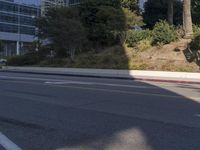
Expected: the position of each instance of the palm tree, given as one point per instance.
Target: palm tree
(187, 18)
(170, 11)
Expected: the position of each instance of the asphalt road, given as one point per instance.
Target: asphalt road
(43, 112)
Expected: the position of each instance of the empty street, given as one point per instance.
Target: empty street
(46, 112)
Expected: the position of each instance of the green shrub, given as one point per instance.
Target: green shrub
(24, 60)
(54, 62)
(133, 37)
(195, 50)
(163, 33)
(195, 44)
(144, 44)
(196, 30)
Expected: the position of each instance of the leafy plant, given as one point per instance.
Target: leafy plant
(196, 30)
(131, 5)
(30, 58)
(133, 37)
(132, 18)
(144, 44)
(64, 31)
(163, 33)
(193, 53)
(195, 44)
(103, 20)
(195, 11)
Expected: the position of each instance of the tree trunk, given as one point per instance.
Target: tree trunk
(171, 11)
(72, 54)
(187, 19)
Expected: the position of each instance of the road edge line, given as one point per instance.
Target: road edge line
(7, 143)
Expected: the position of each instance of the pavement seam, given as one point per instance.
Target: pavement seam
(22, 123)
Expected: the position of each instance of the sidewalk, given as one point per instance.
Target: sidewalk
(159, 76)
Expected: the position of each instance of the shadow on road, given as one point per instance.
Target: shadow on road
(93, 117)
(136, 123)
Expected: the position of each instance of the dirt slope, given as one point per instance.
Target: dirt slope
(169, 57)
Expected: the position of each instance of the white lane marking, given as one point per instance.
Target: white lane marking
(69, 82)
(27, 78)
(61, 82)
(197, 115)
(8, 144)
(96, 83)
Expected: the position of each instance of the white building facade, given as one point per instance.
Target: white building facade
(17, 26)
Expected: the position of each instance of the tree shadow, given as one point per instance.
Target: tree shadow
(138, 116)
(126, 123)
(91, 117)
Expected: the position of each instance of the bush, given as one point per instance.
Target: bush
(56, 62)
(163, 33)
(195, 50)
(195, 44)
(24, 60)
(144, 44)
(133, 37)
(196, 30)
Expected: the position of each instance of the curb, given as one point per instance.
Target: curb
(104, 76)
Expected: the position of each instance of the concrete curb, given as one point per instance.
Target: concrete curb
(156, 76)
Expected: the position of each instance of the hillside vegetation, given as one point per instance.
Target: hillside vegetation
(169, 57)
(111, 34)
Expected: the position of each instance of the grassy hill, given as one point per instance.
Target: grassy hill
(169, 57)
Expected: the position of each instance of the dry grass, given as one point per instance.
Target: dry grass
(169, 57)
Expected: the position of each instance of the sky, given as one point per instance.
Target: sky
(141, 3)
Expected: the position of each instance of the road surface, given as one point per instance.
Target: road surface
(44, 112)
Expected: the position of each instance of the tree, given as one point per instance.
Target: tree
(187, 18)
(132, 5)
(1, 46)
(156, 10)
(63, 30)
(104, 21)
(131, 13)
(132, 18)
(171, 11)
(196, 11)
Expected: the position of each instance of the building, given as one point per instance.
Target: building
(17, 22)
(17, 26)
(46, 4)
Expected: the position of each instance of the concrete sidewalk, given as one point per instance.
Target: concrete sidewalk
(160, 76)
